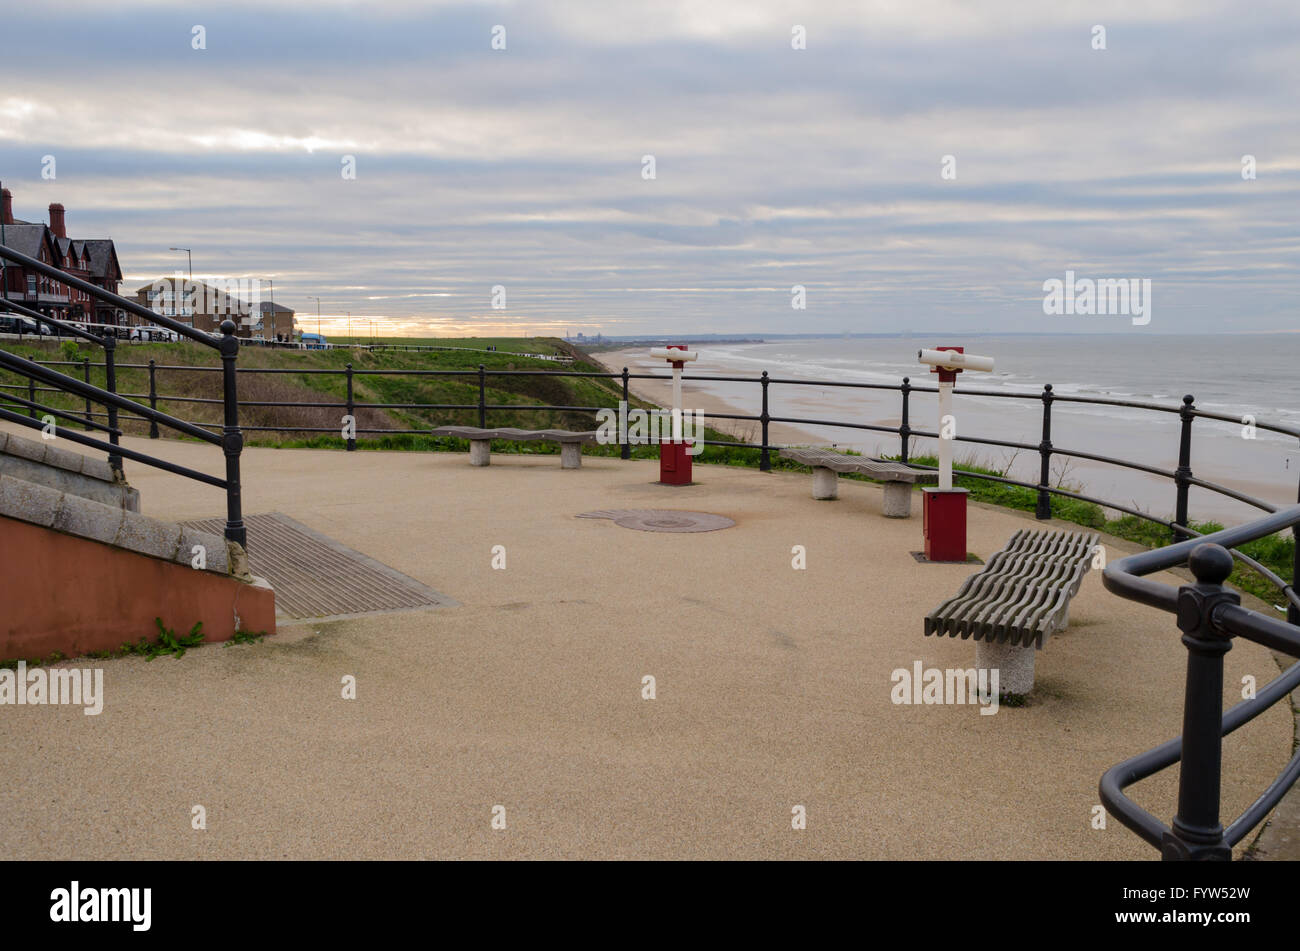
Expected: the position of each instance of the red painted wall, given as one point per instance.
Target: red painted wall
(60, 592)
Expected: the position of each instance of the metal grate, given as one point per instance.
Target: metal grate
(316, 577)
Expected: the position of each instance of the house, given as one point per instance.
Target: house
(276, 322)
(203, 306)
(92, 260)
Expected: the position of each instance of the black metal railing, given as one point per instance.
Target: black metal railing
(1209, 615)
(231, 439)
(1046, 448)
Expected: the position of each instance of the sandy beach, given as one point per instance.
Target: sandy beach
(713, 406)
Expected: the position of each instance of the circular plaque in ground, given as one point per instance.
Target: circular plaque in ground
(663, 520)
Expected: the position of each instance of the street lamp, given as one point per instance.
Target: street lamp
(271, 281)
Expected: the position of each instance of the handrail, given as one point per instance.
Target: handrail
(1209, 615)
(231, 438)
(108, 297)
(71, 329)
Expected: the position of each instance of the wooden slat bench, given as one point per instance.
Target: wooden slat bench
(480, 442)
(897, 477)
(1016, 601)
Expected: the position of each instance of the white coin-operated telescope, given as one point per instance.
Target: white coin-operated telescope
(674, 460)
(945, 507)
(948, 362)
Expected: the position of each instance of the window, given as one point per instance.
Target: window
(31, 285)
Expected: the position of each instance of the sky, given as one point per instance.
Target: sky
(915, 166)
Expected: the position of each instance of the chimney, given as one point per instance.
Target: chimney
(7, 209)
(56, 221)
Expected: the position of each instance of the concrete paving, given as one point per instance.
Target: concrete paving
(773, 688)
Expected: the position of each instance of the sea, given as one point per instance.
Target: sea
(1254, 378)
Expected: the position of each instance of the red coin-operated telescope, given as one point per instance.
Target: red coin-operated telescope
(945, 507)
(674, 459)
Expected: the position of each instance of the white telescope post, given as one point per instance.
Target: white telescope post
(674, 461)
(677, 358)
(945, 445)
(948, 362)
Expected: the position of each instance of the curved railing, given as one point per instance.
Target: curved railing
(1209, 615)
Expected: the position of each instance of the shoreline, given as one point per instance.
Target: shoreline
(660, 393)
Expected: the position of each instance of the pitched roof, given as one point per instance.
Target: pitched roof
(27, 239)
(103, 258)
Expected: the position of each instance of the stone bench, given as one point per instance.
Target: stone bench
(480, 442)
(1016, 601)
(897, 477)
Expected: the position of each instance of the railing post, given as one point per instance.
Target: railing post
(153, 401)
(626, 449)
(352, 441)
(482, 397)
(1043, 509)
(110, 384)
(764, 459)
(232, 440)
(85, 375)
(1292, 612)
(31, 397)
(1196, 833)
(1183, 473)
(904, 430)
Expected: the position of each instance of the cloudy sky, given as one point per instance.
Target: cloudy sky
(524, 167)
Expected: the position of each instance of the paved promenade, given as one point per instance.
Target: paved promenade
(773, 688)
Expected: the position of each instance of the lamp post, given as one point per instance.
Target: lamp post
(4, 264)
(270, 281)
(317, 300)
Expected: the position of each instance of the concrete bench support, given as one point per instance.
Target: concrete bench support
(898, 500)
(826, 484)
(1015, 665)
(480, 442)
(898, 479)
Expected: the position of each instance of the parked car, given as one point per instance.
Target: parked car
(17, 324)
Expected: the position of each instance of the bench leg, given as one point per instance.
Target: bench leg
(480, 452)
(898, 500)
(826, 485)
(1015, 665)
(570, 455)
